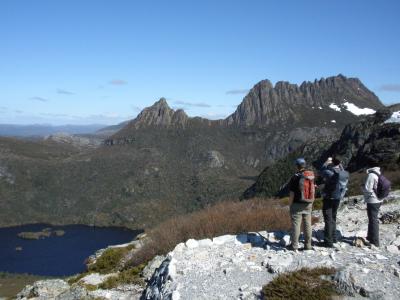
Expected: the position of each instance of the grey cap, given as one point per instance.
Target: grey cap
(300, 162)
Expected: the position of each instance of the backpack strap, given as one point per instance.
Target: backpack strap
(376, 173)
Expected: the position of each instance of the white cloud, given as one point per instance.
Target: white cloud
(118, 82)
(237, 92)
(64, 92)
(41, 99)
(390, 88)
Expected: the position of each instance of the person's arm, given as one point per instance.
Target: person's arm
(326, 164)
(326, 174)
(291, 189)
(291, 197)
(369, 186)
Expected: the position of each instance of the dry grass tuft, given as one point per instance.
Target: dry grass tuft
(222, 218)
(302, 284)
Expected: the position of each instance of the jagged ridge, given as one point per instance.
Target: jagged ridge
(266, 105)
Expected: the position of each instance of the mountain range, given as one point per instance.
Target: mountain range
(165, 163)
(40, 130)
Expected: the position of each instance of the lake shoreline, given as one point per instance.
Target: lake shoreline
(69, 224)
(56, 255)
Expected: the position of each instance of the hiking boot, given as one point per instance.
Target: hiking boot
(291, 248)
(328, 245)
(308, 248)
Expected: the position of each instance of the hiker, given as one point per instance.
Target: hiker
(302, 194)
(335, 180)
(375, 188)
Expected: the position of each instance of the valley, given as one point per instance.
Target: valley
(164, 163)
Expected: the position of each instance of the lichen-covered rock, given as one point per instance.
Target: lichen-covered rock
(215, 159)
(150, 268)
(43, 290)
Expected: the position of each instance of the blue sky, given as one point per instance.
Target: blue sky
(82, 61)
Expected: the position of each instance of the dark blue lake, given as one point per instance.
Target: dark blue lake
(56, 256)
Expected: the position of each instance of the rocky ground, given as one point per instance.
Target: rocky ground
(237, 266)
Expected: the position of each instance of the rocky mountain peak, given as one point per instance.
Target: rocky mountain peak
(285, 103)
(161, 104)
(158, 115)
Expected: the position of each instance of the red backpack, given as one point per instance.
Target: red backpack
(307, 186)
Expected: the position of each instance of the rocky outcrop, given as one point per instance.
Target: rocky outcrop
(272, 180)
(237, 266)
(159, 115)
(74, 140)
(268, 105)
(57, 289)
(371, 139)
(44, 289)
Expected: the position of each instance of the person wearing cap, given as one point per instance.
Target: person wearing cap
(335, 181)
(299, 210)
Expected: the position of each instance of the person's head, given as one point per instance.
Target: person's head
(300, 163)
(337, 160)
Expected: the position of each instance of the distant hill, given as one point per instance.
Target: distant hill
(111, 130)
(164, 163)
(39, 130)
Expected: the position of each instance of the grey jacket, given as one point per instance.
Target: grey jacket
(370, 186)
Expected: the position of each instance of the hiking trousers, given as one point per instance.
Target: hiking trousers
(329, 211)
(373, 223)
(301, 212)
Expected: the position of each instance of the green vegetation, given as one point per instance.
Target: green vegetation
(30, 235)
(36, 235)
(318, 203)
(109, 260)
(11, 284)
(59, 232)
(128, 276)
(76, 278)
(271, 181)
(302, 284)
(163, 174)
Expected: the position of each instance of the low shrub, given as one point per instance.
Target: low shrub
(318, 203)
(128, 276)
(109, 260)
(302, 284)
(76, 278)
(222, 218)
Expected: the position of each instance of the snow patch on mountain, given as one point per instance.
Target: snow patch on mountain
(355, 110)
(334, 107)
(395, 118)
